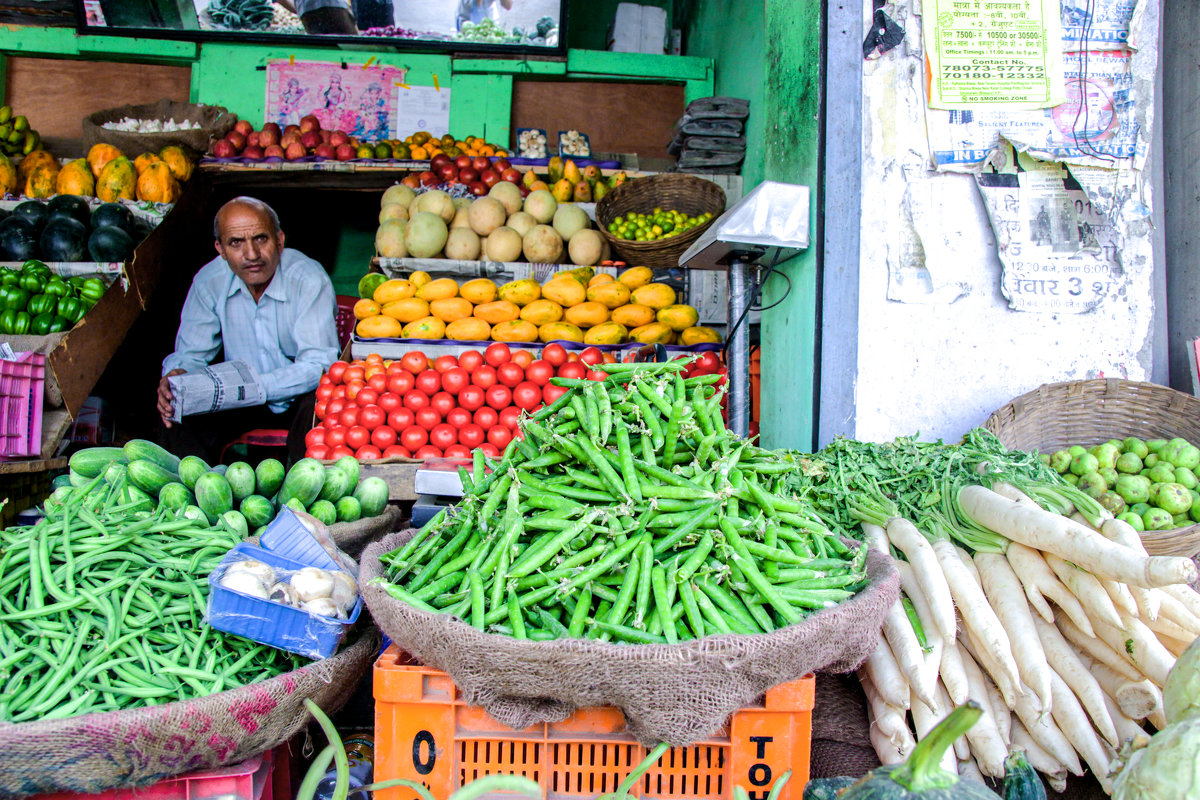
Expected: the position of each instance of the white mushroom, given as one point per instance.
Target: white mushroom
(311, 583)
(345, 591)
(323, 607)
(258, 569)
(244, 583)
(284, 594)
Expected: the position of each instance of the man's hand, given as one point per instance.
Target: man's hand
(166, 402)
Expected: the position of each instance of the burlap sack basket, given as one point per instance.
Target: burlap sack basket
(214, 121)
(97, 752)
(679, 693)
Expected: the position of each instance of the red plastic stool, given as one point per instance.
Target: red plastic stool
(259, 437)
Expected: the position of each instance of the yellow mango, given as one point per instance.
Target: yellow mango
(654, 333)
(563, 191)
(585, 315)
(606, 333)
(636, 276)
(522, 292)
(499, 311)
(392, 290)
(542, 312)
(560, 332)
(566, 292)
(632, 315)
(599, 278)
(427, 328)
(469, 329)
(571, 172)
(515, 330)
(366, 308)
(410, 309)
(378, 327)
(438, 290)
(449, 309)
(656, 295)
(613, 294)
(420, 277)
(479, 291)
(582, 274)
(699, 334)
(678, 317)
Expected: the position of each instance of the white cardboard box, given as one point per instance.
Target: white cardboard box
(639, 29)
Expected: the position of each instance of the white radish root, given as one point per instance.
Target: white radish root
(984, 736)
(1135, 699)
(1123, 533)
(1087, 587)
(1128, 729)
(1073, 722)
(1139, 646)
(932, 654)
(924, 720)
(1045, 732)
(1074, 673)
(888, 720)
(886, 676)
(1003, 590)
(1174, 611)
(952, 674)
(916, 548)
(1041, 584)
(1098, 651)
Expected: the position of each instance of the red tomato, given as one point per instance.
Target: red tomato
(596, 375)
(317, 451)
(427, 417)
(396, 451)
(527, 395)
(444, 363)
(335, 407)
(484, 377)
(339, 392)
(319, 409)
(486, 417)
(383, 437)
(353, 388)
(550, 393)
(458, 417)
(401, 418)
(499, 397)
(510, 373)
(368, 452)
(471, 398)
(378, 382)
(490, 450)
(471, 435)
(609, 358)
(349, 416)
(337, 371)
(707, 363)
(354, 373)
(442, 436)
(324, 391)
(499, 436)
(331, 421)
(413, 436)
(591, 356)
(509, 417)
(429, 381)
(497, 353)
(315, 436)
(415, 399)
(555, 354)
(539, 372)
(454, 379)
(572, 356)
(401, 382)
(428, 451)
(367, 397)
(415, 361)
(457, 451)
(325, 380)
(470, 360)
(572, 369)
(522, 358)
(357, 436)
(443, 403)
(372, 416)
(340, 451)
(389, 402)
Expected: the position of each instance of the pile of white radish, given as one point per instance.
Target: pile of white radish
(1065, 639)
(325, 593)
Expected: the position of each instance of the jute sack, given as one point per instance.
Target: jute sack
(353, 537)
(669, 693)
(97, 752)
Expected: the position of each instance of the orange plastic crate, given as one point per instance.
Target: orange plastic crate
(425, 732)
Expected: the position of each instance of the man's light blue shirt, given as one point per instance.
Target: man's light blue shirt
(288, 336)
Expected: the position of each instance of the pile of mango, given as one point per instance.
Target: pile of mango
(105, 173)
(569, 184)
(575, 305)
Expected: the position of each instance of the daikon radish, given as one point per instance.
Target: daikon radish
(1003, 590)
(1073, 722)
(1128, 729)
(876, 538)
(1071, 541)
(1186, 595)
(1172, 609)
(1005, 685)
(1045, 732)
(885, 674)
(901, 637)
(1074, 672)
(952, 674)
(1164, 627)
(932, 654)
(1098, 650)
(1139, 646)
(1174, 646)
(1087, 587)
(1041, 584)
(1038, 758)
(1136, 699)
(886, 749)
(968, 768)
(924, 720)
(987, 746)
(1013, 493)
(962, 749)
(1121, 596)
(1122, 532)
(1000, 712)
(888, 720)
(919, 552)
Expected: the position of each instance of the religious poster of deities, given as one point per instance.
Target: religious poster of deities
(356, 99)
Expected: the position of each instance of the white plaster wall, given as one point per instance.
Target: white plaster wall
(940, 368)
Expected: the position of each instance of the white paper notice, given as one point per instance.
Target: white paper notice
(422, 108)
(217, 387)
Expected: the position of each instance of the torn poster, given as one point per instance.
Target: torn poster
(1096, 24)
(1058, 251)
(1097, 125)
(993, 53)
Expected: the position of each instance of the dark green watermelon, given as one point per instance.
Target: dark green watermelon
(35, 211)
(18, 239)
(113, 215)
(70, 205)
(64, 239)
(109, 243)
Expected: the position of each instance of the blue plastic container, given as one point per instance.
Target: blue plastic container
(286, 536)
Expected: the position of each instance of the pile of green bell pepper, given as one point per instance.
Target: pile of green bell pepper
(33, 300)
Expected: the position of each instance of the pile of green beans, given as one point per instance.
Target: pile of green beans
(627, 512)
(101, 609)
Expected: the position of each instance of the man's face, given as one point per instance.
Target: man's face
(249, 246)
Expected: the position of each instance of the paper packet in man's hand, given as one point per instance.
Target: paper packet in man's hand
(217, 387)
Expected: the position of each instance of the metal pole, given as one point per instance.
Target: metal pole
(738, 351)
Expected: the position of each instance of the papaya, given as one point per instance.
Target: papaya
(678, 317)
(144, 160)
(560, 331)
(181, 166)
(699, 334)
(469, 329)
(542, 312)
(586, 315)
(99, 155)
(117, 181)
(606, 333)
(515, 330)
(76, 178)
(427, 328)
(379, 327)
(498, 311)
(41, 181)
(36, 159)
(157, 185)
(8, 176)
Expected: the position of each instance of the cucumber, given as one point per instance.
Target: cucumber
(149, 476)
(257, 510)
(190, 470)
(76, 479)
(132, 494)
(60, 481)
(295, 505)
(220, 469)
(144, 449)
(348, 510)
(337, 484)
(175, 496)
(214, 496)
(91, 462)
(268, 476)
(195, 512)
(303, 482)
(241, 480)
(350, 465)
(114, 472)
(234, 521)
(372, 495)
(324, 511)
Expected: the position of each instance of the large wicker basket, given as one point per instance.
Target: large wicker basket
(670, 191)
(1058, 415)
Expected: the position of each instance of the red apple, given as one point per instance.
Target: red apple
(478, 189)
(274, 151)
(273, 127)
(462, 162)
(243, 127)
(224, 149)
(253, 151)
(294, 151)
(511, 175)
(237, 139)
(481, 163)
(411, 180)
(289, 139)
(252, 139)
(524, 189)
(325, 150)
(309, 123)
(326, 136)
(345, 152)
(310, 139)
(489, 177)
(267, 137)
(447, 172)
(439, 160)
(501, 164)
(292, 129)
(339, 138)
(468, 174)
(428, 178)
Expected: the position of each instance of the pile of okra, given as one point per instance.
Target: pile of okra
(102, 608)
(627, 512)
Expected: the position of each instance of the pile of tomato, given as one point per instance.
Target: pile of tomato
(417, 407)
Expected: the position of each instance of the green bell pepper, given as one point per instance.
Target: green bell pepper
(34, 265)
(92, 289)
(71, 308)
(57, 287)
(41, 304)
(9, 277)
(61, 324)
(13, 297)
(32, 282)
(40, 325)
(14, 322)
